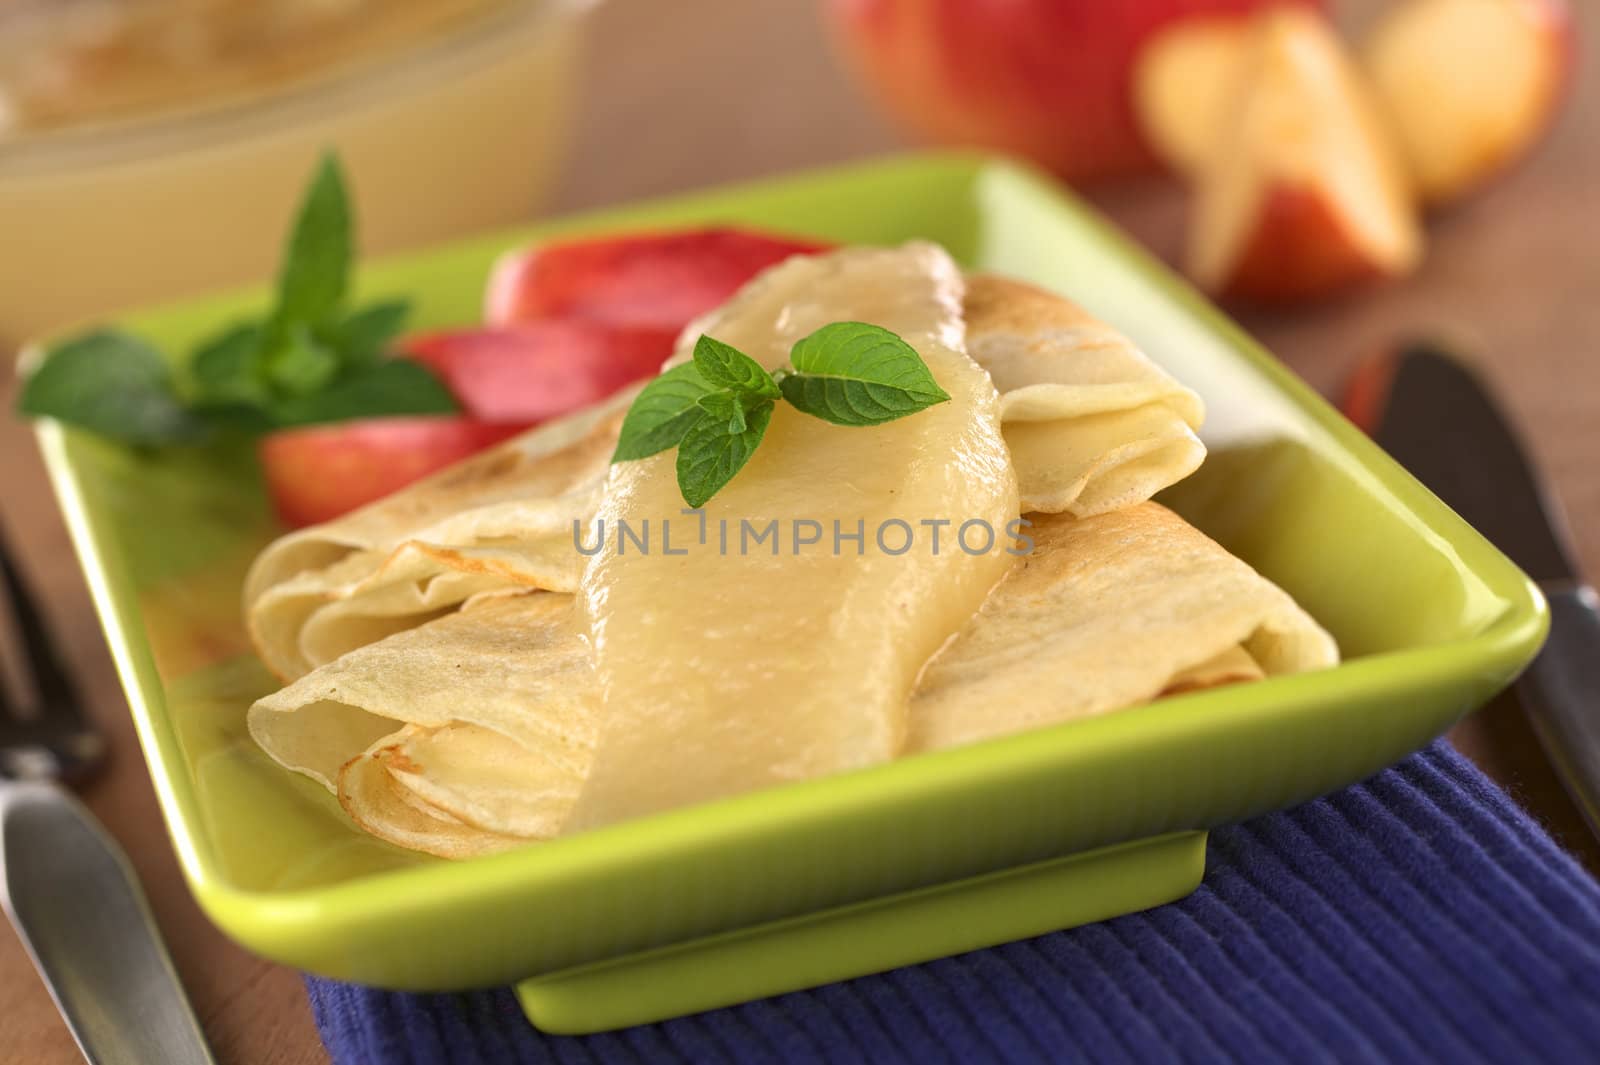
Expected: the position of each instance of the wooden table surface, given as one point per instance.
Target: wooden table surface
(702, 91)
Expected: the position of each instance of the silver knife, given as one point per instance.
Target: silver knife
(64, 883)
(1434, 415)
(78, 909)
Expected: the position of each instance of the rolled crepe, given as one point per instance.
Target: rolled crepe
(500, 521)
(458, 736)
(375, 800)
(455, 713)
(1091, 422)
(1106, 613)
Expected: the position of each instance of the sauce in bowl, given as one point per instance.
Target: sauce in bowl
(81, 62)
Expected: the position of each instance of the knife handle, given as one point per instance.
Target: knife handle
(69, 891)
(1561, 692)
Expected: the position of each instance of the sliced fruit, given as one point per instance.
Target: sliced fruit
(1302, 193)
(1470, 85)
(1181, 84)
(319, 472)
(524, 374)
(658, 282)
(1047, 79)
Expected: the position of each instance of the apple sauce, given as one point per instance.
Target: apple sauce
(70, 63)
(702, 652)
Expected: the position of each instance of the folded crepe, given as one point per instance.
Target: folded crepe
(1091, 422)
(714, 655)
(461, 736)
(456, 710)
(673, 664)
(501, 521)
(1106, 613)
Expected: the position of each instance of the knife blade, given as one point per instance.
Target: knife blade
(1435, 415)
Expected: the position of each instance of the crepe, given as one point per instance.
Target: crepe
(501, 521)
(1107, 613)
(1091, 422)
(480, 725)
(754, 669)
(470, 681)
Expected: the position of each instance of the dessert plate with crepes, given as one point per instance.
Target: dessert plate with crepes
(465, 735)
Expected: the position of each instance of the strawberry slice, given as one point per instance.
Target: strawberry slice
(319, 472)
(526, 373)
(569, 324)
(506, 380)
(656, 281)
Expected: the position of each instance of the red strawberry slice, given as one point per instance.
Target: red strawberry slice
(657, 281)
(319, 472)
(527, 373)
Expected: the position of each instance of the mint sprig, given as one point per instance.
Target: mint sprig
(114, 385)
(852, 373)
(716, 408)
(663, 413)
(316, 264)
(727, 367)
(714, 449)
(308, 359)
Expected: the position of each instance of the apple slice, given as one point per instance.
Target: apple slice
(1047, 79)
(1181, 85)
(523, 374)
(1470, 85)
(317, 472)
(654, 281)
(1302, 192)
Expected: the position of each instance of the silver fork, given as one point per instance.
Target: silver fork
(66, 886)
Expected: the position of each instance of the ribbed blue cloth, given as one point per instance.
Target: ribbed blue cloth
(1417, 917)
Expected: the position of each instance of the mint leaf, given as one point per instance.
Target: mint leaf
(716, 409)
(302, 365)
(662, 413)
(364, 335)
(853, 373)
(387, 387)
(710, 454)
(227, 368)
(233, 417)
(113, 384)
(306, 361)
(731, 408)
(316, 265)
(728, 367)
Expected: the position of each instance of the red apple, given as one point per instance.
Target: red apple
(1302, 192)
(1046, 79)
(524, 374)
(1470, 85)
(656, 282)
(319, 472)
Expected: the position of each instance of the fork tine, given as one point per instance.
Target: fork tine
(57, 697)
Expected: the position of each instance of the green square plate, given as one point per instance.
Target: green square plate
(860, 872)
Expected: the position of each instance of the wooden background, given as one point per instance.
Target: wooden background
(695, 92)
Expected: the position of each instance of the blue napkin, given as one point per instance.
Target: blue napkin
(1419, 916)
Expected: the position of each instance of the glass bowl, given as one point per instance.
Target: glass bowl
(460, 131)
